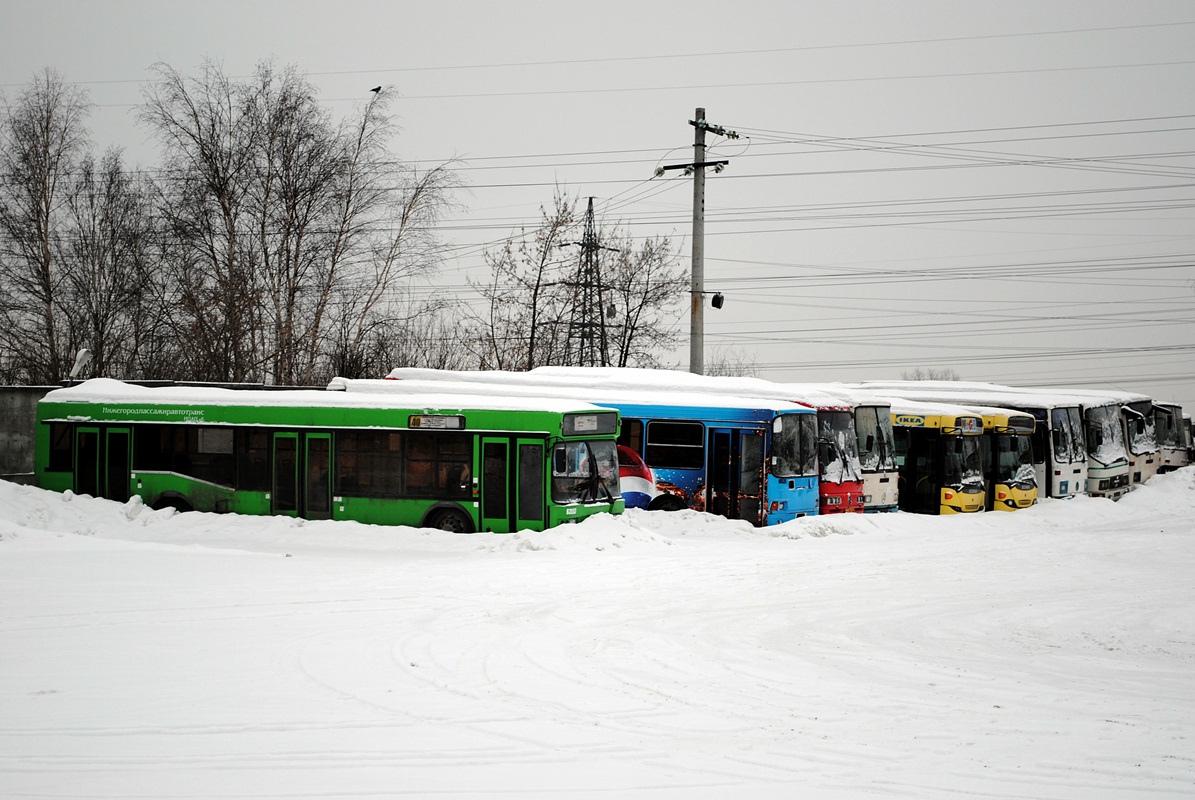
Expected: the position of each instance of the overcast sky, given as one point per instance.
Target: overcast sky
(999, 188)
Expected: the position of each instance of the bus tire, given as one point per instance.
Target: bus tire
(449, 519)
(667, 502)
(175, 501)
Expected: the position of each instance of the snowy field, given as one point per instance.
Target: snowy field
(1048, 653)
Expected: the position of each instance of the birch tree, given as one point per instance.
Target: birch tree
(42, 139)
(293, 234)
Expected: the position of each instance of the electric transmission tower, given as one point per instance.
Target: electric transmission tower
(587, 345)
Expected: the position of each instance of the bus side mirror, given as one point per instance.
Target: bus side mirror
(871, 443)
(558, 461)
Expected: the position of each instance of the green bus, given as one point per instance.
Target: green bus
(455, 463)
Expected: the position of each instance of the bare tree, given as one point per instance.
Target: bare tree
(42, 138)
(532, 294)
(109, 284)
(645, 286)
(930, 374)
(292, 235)
(209, 131)
(398, 247)
(732, 362)
(525, 312)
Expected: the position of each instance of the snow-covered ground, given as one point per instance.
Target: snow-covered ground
(1047, 653)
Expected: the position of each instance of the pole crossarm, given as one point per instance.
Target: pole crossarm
(717, 130)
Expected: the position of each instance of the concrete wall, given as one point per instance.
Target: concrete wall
(18, 418)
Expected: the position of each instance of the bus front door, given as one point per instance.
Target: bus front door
(752, 503)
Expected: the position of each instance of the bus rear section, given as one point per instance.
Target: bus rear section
(635, 478)
(938, 455)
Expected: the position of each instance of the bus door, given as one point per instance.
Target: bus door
(495, 485)
(284, 491)
(921, 472)
(316, 497)
(87, 461)
(734, 474)
(531, 483)
(752, 503)
(102, 463)
(302, 481)
(117, 464)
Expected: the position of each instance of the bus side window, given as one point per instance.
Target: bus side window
(631, 434)
(253, 460)
(60, 447)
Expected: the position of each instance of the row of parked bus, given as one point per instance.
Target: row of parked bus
(505, 451)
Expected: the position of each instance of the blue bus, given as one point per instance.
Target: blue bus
(740, 460)
(747, 458)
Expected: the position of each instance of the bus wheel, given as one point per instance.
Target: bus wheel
(172, 501)
(667, 502)
(447, 519)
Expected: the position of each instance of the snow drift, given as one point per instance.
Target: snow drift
(1046, 653)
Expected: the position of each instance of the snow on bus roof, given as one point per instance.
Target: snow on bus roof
(1047, 397)
(659, 380)
(986, 401)
(634, 379)
(106, 390)
(903, 405)
(528, 384)
(675, 380)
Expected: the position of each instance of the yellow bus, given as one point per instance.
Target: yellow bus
(1006, 450)
(938, 458)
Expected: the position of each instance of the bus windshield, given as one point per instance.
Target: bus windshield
(837, 429)
(794, 446)
(1105, 435)
(1166, 425)
(1142, 436)
(1014, 462)
(584, 472)
(1069, 447)
(873, 426)
(962, 465)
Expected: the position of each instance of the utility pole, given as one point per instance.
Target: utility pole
(697, 262)
(587, 344)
